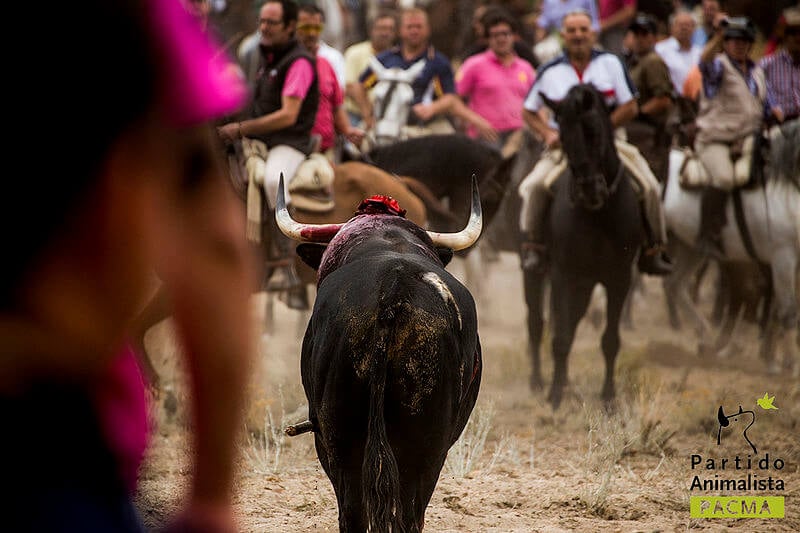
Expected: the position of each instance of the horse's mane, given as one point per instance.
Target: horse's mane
(581, 99)
(785, 156)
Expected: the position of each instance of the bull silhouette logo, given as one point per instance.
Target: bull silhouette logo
(725, 421)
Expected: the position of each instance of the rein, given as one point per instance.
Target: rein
(386, 100)
(612, 187)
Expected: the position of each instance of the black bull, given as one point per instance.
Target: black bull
(391, 361)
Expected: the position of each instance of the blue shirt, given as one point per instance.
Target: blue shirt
(553, 12)
(700, 36)
(435, 80)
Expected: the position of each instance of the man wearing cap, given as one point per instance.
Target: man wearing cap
(732, 108)
(647, 131)
(580, 62)
(782, 70)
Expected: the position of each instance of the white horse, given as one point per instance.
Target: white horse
(392, 96)
(772, 215)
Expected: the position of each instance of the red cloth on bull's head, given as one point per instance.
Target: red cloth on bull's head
(380, 205)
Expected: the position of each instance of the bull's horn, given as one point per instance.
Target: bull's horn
(467, 236)
(298, 231)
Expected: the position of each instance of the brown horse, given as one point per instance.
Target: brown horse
(353, 182)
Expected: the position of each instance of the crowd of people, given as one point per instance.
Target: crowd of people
(148, 203)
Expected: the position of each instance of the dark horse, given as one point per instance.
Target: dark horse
(438, 168)
(594, 230)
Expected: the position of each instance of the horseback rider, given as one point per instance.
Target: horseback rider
(434, 88)
(580, 62)
(732, 109)
(650, 74)
(280, 120)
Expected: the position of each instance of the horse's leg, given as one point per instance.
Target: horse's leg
(156, 310)
(672, 307)
(269, 313)
(473, 273)
(676, 284)
(569, 300)
(627, 308)
(616, 295)
(784, 278)
(681, 254)
(724, 345)
(534, 286)
(722, 296)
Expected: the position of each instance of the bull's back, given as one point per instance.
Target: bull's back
(399, 314)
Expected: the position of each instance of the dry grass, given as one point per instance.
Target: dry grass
(464, 455)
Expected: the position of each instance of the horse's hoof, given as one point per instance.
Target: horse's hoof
(554, 399)
(609, 404)
(773, 368)
(536, 383)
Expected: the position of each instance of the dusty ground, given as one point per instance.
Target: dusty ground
(520, 467)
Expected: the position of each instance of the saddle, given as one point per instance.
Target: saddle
(748, 157)
(311, 186)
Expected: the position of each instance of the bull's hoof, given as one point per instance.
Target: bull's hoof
(536, 383)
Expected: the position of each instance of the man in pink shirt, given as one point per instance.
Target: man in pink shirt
(331, 115)
(275, 133)
(495, 82)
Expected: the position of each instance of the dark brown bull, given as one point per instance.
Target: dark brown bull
(391, 360)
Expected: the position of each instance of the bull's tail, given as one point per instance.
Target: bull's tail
(380, 477)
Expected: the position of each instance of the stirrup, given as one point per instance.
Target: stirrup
(655, 261)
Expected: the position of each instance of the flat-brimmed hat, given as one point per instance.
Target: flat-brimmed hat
(739, 28)
(643, 22)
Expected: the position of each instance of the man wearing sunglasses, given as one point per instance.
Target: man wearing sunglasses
(331, 115)
(782, 70)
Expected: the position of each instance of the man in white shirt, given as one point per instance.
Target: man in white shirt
(677, 51)
(581, 63)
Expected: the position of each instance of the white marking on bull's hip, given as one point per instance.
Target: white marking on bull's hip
(444, 292)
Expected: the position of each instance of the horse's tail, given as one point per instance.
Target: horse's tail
(380, 477)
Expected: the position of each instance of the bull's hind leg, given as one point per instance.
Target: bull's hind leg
(616, 295)
(569, 300)
(345, 477)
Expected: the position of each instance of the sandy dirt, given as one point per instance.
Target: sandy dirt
(519, 467)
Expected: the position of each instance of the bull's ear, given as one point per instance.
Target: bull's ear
(311, 253)
(445, 254)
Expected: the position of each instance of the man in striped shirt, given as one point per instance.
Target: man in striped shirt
(782, 71)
